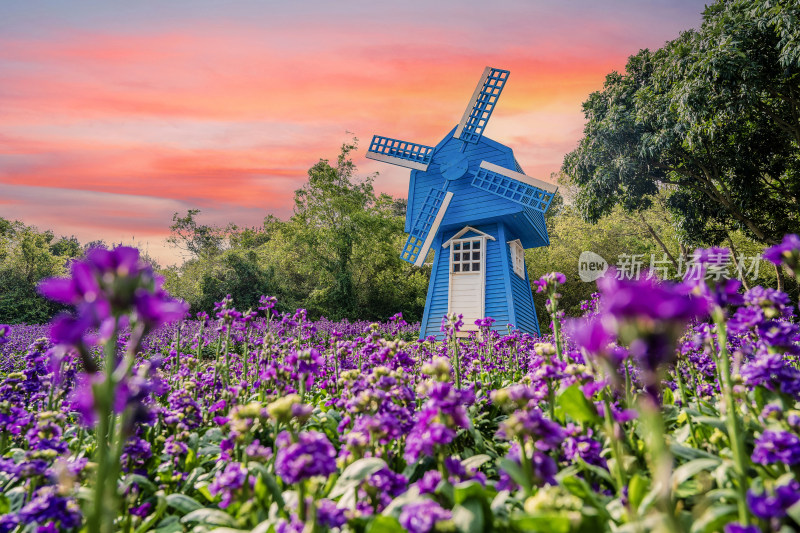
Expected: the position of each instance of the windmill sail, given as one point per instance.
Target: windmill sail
(425, 226)
(402, 153)
(514, 186)
(481, 105)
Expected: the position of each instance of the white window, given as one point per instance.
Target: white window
(517, 258)
(467, 255)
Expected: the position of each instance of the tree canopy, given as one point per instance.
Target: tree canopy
(712, 119)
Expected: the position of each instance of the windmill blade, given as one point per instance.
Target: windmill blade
(402, 153)
(514, 186)
(425, 226)
(481, 105)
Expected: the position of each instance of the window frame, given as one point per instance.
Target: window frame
(472, 261)
(517, 258)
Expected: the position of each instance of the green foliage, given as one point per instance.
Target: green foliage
(337, 256)
(711, 120)
(28, 255)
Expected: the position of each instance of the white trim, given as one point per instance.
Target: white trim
(397, 161)
(484, 238)
(472, 101)
(423, 253)
(533, 182)
(517, 251)
(465, 230)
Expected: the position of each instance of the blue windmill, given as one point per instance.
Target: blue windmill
(470, 202)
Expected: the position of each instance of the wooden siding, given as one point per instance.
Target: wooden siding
(524, 310)
(497, 298)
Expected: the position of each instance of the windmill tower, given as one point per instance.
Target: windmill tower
(470, 202)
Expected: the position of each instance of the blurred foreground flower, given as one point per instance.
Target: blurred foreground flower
(110, 290)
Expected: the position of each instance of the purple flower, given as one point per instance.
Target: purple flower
(5, 329)
(531, 423)
(108, 284)
(312, 455)
(777, 447)
(648, 299)
(549, 282)
(649, 317)
(329, 515)
(773, 371)
(429, 481)
(228, 482)
(590, 334)
(772, 302)
(767, 506)
(47, 508)
(736, 527)
(543, 466)
(142, 510)
(421, 517)
(780, 334)
(787, 252)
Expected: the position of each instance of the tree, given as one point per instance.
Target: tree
(330, 217)
(199, 240)
(712, 120)
(27, 258)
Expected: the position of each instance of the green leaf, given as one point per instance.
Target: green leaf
(145, 484)
(212, 517)
(5, 506)
(794, 512)
(692, 468)
(469, 516)
(515, 471)
(668, 397)
(685, 452)
(599, 471)
(544, 523)
(183, 504)
(475, 461)
(153, 518)
(384, 524)
(354, 474)
(714, 518)
(637, 488)
(575, 404)
(170, 524)
(713, 421)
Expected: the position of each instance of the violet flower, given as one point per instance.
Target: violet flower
(311, 455)
(421, 517)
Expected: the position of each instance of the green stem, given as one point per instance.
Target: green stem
(685, 401)
(731, 418)
(527, 468)
(103, 399)
(660, 461)
(616, 452)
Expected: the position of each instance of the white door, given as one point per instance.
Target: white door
(467, 265)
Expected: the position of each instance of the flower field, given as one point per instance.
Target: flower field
(666, 407)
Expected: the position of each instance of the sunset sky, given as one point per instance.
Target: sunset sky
(116, 114)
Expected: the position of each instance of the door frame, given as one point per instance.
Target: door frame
(457, 238)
